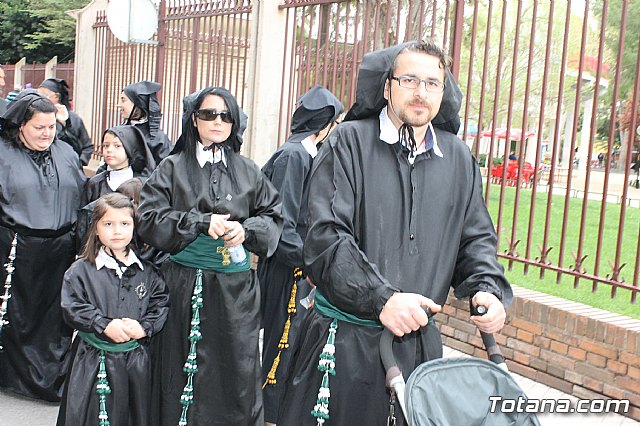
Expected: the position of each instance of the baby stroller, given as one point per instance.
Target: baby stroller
(456, 391)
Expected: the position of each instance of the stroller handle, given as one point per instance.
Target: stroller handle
(391, 366)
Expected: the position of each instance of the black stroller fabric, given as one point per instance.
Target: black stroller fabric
(456, 391)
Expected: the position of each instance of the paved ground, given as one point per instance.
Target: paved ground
(18, 411)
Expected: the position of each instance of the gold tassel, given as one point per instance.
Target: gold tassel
(284, 340)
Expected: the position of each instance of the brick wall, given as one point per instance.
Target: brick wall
(583, 351)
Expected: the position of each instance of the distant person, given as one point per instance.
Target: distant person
(139, 107)
(600, 159)
(281, 276)
(116, 302)
(40, 186)
(3, 102)
(513, 156)
(69, 125)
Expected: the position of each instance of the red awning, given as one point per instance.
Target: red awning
(514, 134)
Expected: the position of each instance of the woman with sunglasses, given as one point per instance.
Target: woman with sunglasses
(202, 200)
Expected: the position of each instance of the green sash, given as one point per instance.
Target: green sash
(324, 307)
(206, 253)
(96, 342)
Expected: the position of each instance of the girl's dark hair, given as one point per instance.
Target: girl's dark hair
(131, 188)
(191, 136)
(114, 200)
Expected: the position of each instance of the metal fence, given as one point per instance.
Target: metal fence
(34, 73)
(548, 85)
(547, 67)
(197, 44)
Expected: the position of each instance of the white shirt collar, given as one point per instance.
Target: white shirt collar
(104, 260)
(116, 177)
(310, 146)
(208, 155)
(389, 134)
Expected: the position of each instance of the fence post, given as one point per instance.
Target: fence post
(265, 77)
(50, 68)
(85, 59)
(18, 73)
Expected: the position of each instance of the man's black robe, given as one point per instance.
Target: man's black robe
(288, 170)
(40, 203)
(173, 212)
(90, 299)
(380, 225)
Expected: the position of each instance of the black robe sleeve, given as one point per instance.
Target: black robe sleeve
(263, 226)
(288, 177)
(331, 253)
(157, 311)
(163, 225)
(78, 312)
(477, 268)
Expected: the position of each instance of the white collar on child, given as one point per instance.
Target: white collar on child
(104, 260)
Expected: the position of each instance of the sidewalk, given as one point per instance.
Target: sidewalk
(18, 411)
(537, 390)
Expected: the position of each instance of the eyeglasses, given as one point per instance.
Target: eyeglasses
(212, 114)
(409, 82)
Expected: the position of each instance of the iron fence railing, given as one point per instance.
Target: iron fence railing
(554, 69)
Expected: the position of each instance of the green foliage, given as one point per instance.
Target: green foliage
(584, 294)
(37, 30)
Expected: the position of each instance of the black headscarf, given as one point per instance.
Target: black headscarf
(143, 95)
(59, 86)
(189, 106)
(374, 72)
(140, 157)
(315, 110)
(15, 114)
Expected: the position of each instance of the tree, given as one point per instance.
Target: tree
(37, 30)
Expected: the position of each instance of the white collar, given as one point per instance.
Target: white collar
(116, 177)
(104, 260)
(208, 156)
(389, 134)
(310, 146)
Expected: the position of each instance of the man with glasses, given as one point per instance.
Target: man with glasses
(396, 218)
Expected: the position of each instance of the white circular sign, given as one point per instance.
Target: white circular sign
(132, 20)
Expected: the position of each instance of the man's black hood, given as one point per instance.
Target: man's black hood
(374, 72)
(315, 110)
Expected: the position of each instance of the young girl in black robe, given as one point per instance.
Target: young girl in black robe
(116, 302)
(201, 201)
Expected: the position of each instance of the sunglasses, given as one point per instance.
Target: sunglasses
(212, 114)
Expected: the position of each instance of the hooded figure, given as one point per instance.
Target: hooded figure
(140, 164)
(40, 186)
(281, 277)
(395, 220)
(199, 203)
(70, 127)
(146, 115)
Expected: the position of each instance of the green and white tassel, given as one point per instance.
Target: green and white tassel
(103, 389)
(327, 365)
(191, 365)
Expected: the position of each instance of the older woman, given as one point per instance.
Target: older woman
(40, 186)
(199, 204)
